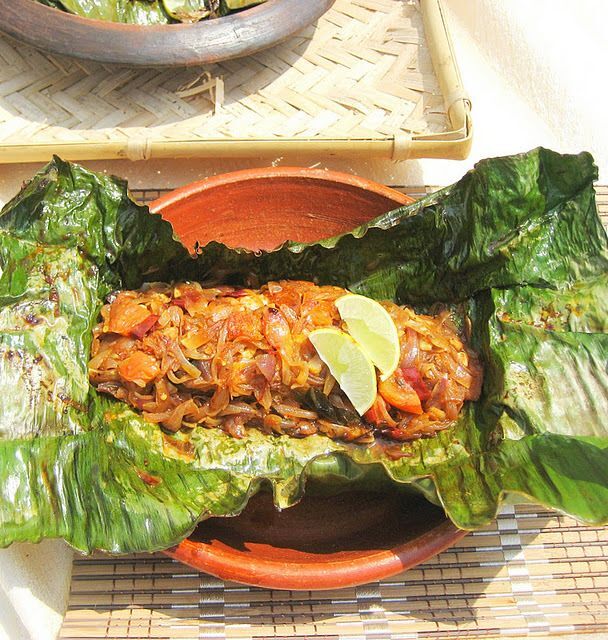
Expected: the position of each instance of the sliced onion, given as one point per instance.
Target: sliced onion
(184, 363)
(410, 350)
(289, 411)
(234, 425)
(204, 366)
(113, 388)
(176, 379)
(158, 417)
(329, 384)
(97, 361)
(265, 398)
(315, 364)
(451, 410)
(315, 381)
(219, 401)
(274, 287)
(238, 408)
(174, 421)
(267, 364)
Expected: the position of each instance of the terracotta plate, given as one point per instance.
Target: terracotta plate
(208, 41)
(323, 542)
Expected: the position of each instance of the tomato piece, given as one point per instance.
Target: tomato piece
(378, 414)
(139, 367)
(412, 376)
(401, 395)
(140, 330)
(190, 297)
(237, 293)
(372, 415)
(125, 315)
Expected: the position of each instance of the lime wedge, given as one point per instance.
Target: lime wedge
(353, 370)
(370, 324)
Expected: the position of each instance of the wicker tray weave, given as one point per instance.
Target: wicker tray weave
(373, 77)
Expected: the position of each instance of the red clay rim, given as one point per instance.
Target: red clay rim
(326, 574)
(323, 175)
(378, 564)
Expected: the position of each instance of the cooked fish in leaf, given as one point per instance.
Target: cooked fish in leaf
(515, 249)
(235, 359)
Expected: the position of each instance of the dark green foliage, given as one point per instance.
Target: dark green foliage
(517, 242)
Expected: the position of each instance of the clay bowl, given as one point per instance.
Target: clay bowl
(236, 35)
(323, 542)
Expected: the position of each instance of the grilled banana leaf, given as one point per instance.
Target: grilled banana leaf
(144, 12)
(147, 12)
(235, 5)
(516, 244)
(191, 10)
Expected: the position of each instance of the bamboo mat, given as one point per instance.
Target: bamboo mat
(532, 573)
(361, 72)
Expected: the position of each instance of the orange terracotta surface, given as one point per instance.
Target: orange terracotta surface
(260, 208)
(323, 542)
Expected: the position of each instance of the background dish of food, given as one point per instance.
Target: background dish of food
(231, 36)
(337, 86)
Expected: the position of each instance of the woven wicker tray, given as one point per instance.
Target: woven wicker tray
(371, 77)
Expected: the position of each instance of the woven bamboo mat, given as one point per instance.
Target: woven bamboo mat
(362, 72)
(531, 573)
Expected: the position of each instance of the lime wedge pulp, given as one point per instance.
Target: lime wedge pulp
(370, 324)
(349, 365)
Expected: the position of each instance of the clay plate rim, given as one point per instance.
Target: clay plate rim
(293, 576)
(220, 561)
(296, 173)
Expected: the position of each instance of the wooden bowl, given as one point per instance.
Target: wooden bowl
(323, 542)
(236, 35)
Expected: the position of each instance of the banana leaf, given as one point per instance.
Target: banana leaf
(191, 10)
(147, 12)
(144, 12)
(235, 5)
(51, 3)
(516, 245)
(195, 10)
